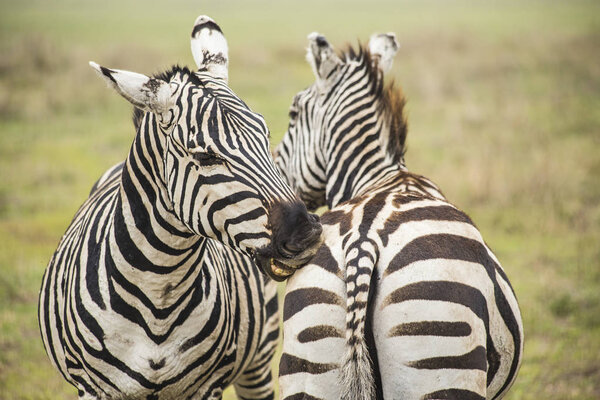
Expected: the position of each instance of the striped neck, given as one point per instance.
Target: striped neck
(365, 133)
(144, 192)
(154, 230)
(152, 248)
(358, 174)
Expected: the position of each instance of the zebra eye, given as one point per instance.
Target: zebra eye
(293, 113)
(208, 159)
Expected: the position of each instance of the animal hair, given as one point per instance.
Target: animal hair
(166, 76)
(390, 98)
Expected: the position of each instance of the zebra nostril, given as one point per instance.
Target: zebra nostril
(289, 249)
(317, 230)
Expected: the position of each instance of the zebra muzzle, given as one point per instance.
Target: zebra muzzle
(296, 236)
(280, 270)
(271, 267)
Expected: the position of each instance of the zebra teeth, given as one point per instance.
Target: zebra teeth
(280, 271)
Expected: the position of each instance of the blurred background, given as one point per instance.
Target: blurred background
(503, 110)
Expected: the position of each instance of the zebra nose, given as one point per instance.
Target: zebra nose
(304, 235)
(295, 232)
(290, 249)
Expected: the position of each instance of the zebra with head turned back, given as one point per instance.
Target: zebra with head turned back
(403, 300)
(141, 299)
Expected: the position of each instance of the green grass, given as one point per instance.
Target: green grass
(504, 114)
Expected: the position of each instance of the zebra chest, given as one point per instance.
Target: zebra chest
(171, 356)
(164, 360)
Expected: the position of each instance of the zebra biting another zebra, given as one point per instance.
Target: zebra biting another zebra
(141, 298)
(404, 300)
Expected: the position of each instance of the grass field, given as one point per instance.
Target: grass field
(504, 114)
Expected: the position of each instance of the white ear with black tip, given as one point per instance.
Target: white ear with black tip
(146, 93)
(383, 47)
(321, 57)
(209, 47)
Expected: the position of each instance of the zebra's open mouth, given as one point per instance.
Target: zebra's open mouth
(280, 260)
(280, 270)
(275, 269)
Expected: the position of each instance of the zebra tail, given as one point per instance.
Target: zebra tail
(356, 375)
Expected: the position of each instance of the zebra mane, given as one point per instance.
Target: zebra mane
(166, 76)
(390, 99)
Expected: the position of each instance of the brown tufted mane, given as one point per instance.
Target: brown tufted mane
(390, 98)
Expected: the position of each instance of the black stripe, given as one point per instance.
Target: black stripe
(297, 300)
(157, 365)
(453, 292)
(272, 306)
(249, 215)
(210, 25)
(81, 381)
(290, 364)
(453, 394)
(108, 73)
(302, 396)
(445, 246)
(475, 359)
(325, 260)
(261, 382)
(314, 333)
(431, 328)
(141, 212)
(338, 217)
(434, 213)
(103, 354)
(95, 249)
(133, 191)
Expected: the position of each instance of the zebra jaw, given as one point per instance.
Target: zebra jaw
(273, 268)
(281, 270)
(281, 261)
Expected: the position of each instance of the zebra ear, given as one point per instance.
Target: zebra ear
(209, 47)
(321, 56)
(383, 48)
(148, 94)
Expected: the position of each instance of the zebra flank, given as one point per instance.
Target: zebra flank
(404, 297)
(160, 288)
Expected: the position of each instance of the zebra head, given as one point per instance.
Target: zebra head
(321, 143)
(207, 156)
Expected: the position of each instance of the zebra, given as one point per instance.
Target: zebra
(155, 290)
(404, 300)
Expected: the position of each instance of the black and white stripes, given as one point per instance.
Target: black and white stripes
(404, 300)
(141, 299)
